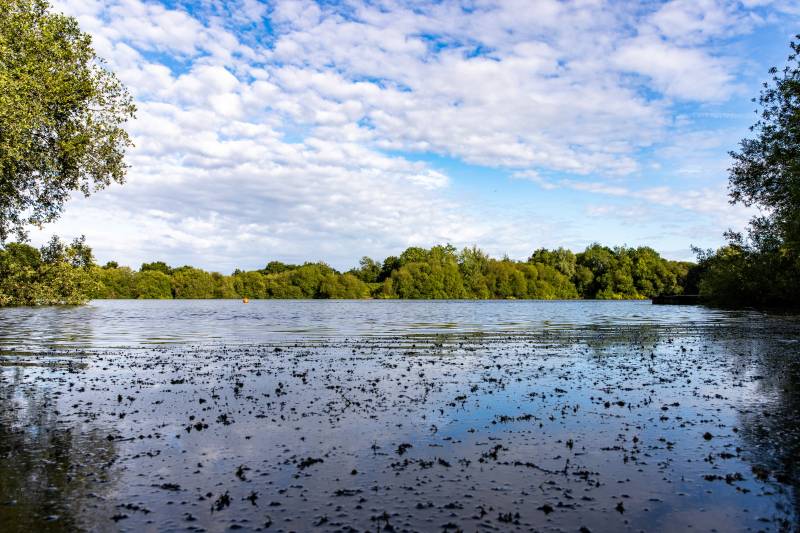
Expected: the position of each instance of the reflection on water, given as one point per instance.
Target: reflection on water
(771, 419)
(55, 474)
(421, 416)
(125, 323)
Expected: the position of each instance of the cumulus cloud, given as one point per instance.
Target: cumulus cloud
(306, 130)
(685, 73)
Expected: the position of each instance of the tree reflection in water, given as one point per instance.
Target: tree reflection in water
(771, 424)
(55, 474)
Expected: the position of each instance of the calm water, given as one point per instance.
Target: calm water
(398, 416)
(126, 323)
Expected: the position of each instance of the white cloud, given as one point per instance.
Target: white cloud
(295, 142)
(680, 72)
(703, 201)
(697, 21)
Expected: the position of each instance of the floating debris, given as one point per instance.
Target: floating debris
(591, 427)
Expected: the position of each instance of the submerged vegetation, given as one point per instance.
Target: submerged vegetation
(67, 274)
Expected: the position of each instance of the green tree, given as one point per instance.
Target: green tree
(192, 283)
(308, 278)
(473, 264)
(61, 116)
(152, 285)
(561, 259)
(724, 279)
(412, 281)
(276, 267)
(158, 266)
(652, 275)
(390, 264)
(60, 273)
(443, 254)
(762, 267)
(62, 284)
(250, 284)
(766, 169)
(551, 284)
(600, 261)
(583, 279)
(114, 282)
(53, 275)
(346, 286)
(280, 286)
(223, 286)
(414, 254)
(368, 270)
(504, 280)
(19, 273)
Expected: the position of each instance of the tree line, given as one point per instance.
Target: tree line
(61, 273)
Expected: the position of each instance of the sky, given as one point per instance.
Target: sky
(321, 130)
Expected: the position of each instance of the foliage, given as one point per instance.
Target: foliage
(224, 286)
(368, 271)
(192, 283)
(737, 276)
(603, 273)
(158, 266)
(249, 284)
(762, 268)
(346, 286)
(766, 169)
(114, 282)
(151, 284)
(276, 267)
(32, 276)
(56, 274)
(61, 116)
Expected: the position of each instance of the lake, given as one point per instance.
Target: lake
(398, 416)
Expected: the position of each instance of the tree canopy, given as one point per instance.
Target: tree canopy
(766, 169)
(60, 273)
(762, 268)
(55, 274)
(61, 116)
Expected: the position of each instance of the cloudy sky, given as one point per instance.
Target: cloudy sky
(301, 130)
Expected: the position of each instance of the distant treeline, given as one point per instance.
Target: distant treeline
(60, 273)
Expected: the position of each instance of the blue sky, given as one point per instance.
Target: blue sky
(303, 130)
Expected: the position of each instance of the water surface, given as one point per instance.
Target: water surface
(126, 323)
(397, 415)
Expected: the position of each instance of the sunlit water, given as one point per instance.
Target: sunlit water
(397, 415)
(115, 323)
